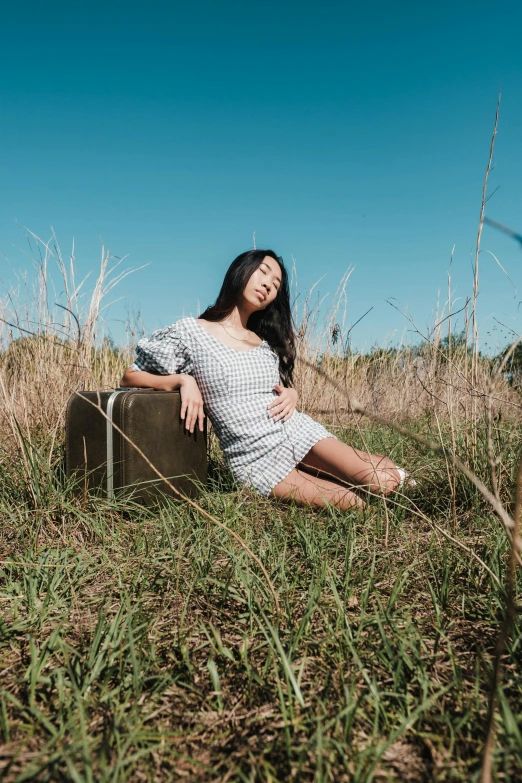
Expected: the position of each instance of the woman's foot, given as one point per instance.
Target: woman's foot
(406, 480)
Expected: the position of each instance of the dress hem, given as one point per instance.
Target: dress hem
(302, 453)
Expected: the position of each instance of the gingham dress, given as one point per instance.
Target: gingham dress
(236, 387)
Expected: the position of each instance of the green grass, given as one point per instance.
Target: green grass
(142, 645)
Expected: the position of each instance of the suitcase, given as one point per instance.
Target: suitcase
(105, 463)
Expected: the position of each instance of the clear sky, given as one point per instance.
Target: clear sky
(341, 133)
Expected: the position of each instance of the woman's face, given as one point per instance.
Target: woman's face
(263, 284)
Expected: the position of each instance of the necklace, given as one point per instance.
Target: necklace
(239, 339)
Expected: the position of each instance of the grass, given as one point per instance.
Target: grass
(141, 644)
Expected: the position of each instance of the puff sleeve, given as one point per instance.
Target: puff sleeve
(164, 353)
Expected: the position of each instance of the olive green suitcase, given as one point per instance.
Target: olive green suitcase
(105, 463)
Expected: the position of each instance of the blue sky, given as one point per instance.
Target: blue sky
(342, 134)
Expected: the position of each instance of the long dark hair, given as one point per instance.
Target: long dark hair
(274, 323)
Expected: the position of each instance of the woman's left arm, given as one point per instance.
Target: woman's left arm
(284, 404)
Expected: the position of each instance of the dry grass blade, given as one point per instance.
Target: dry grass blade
(505, 630)
(477, 247)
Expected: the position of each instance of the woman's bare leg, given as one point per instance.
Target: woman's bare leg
(310, 490)
(372, 471)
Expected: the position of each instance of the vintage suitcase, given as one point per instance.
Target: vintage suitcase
(105, 463)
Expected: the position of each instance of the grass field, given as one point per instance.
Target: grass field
(145, 645)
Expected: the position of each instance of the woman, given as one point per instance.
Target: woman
(237, 361)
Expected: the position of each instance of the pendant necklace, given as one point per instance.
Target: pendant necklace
(239, 339)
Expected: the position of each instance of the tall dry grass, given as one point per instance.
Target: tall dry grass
(439, 375)
(54, 341)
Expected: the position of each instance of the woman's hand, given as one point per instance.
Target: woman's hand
(191, 399)
(283, 407)
(191, 402)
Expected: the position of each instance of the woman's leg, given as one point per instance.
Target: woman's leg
(310, 490)
(372, 471)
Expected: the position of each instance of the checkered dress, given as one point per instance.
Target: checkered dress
(236, 387)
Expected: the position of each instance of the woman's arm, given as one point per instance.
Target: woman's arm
(151, 381)
(191, 399)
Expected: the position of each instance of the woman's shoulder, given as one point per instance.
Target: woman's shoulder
(185, 324)
(178, 329)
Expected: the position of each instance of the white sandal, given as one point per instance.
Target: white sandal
(405, 479)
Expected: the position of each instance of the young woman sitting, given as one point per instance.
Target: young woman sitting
(236, 363)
